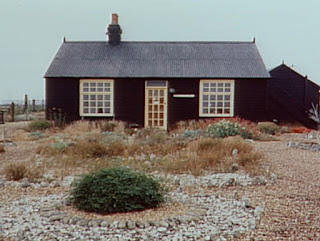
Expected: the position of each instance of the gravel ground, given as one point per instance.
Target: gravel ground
(292, 204)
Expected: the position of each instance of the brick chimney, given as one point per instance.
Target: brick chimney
(114, 31)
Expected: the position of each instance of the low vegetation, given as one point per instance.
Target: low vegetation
(38, 125)
(268, 128)
(218, 146)
(116, 190)
(19, 170)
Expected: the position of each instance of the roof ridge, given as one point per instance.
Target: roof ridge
(169, 42)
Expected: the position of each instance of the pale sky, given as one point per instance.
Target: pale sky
(33, 30)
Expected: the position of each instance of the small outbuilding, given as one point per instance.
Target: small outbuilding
(156, 84)
(290, 96)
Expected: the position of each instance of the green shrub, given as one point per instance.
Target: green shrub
(226, 128)
(116, 190)
(268, 128)
(38, 125)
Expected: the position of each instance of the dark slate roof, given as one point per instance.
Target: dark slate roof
(158, 59)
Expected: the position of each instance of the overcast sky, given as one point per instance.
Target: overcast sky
(33, 30)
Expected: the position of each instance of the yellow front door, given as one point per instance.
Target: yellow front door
(156, 104)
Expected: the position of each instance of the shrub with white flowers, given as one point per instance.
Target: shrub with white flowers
(226, 128)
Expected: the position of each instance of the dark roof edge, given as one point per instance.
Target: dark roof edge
(171, 42)
(155, 77)
(294, 70)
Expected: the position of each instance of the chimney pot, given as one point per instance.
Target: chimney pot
(114, 18)
(114, 31)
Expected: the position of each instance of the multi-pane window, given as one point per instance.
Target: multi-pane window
(216, 97)
(96, 97)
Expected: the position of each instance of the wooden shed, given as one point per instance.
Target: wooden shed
(290, 96)
(156, 84)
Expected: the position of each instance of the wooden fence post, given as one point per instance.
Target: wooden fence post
(33, 105)
(12, 111)
(25, 104)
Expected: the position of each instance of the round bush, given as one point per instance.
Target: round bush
(115, 190)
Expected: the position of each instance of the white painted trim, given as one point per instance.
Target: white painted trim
(231, 81)
(111, 81)
(165, 112)
(184, 95)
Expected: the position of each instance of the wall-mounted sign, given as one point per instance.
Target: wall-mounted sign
(184, 95)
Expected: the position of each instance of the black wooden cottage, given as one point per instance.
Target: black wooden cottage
(155, 84)
(290, 96)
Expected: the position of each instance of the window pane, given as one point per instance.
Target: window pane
(205, 111)
(212, 84)
(220, 97)
(107, 85)
(206, 97)
(220, 84)
(107, 110)
(100, 97)
(227, 97)
(85, 89)
(85, 103)
(226, 104)
(227, 85)
(85, 110)
(205, 84)
(100, 104)
(212, 104)
(92, 110)
(205, 104)
(107, 97)
(92, 89)
(220, 89)
(157, 83)
(100, 89)
(92, 84)
(155, 93)
(212, 97)
(92, 104)
(227, 111)
(86, 97)
(107, 104)
(86, 84)
(213, 90)
(107, 89)
(219, 104)
(227, 89)
(205, 89)
(92, 97)
(100, 84)
(100, 110)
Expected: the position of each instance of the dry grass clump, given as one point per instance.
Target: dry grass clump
(218, 155)
(268, 128)
(81, 126)
(19, 170)
(2, 148)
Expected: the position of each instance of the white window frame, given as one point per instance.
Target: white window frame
(215, 93)
(98, 91)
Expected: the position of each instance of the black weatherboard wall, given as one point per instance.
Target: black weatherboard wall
(290, 96)
(63, 93)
